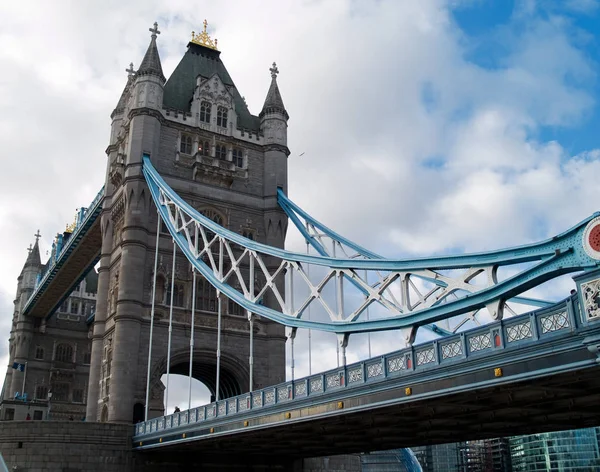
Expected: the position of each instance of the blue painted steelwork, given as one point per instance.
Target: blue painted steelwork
(85, 220)
(557, 256)
(562, 325)
(294, 212)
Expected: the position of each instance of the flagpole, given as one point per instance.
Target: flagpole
(24, 377)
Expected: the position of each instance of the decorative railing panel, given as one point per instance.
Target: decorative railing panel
(517, 330)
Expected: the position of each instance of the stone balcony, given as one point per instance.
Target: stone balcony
(216, 171)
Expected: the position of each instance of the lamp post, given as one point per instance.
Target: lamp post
(49, 404)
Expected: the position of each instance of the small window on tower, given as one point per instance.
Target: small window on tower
(204, 148)
(221, 152)
(185, 145)
(238, 157)
(64, 353)
(205, 112)
(77, 395)
(39, 353)
(222, 117)
(74, 307)
(41, 392)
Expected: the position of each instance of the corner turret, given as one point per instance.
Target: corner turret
(273, 124)
(149, 78)
(274, 117)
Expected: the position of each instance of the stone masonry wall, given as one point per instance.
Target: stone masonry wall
(65, 446)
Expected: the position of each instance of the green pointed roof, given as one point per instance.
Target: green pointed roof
(200, 60)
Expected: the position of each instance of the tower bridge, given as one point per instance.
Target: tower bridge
(193, 278)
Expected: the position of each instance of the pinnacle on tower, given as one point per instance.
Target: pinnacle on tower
(274, 102)
(34, 252)
(151, 63)
(123, 99)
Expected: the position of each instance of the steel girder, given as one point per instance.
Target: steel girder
(392, 283)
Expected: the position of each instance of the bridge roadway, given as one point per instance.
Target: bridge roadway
(78, 255)
(536, 372)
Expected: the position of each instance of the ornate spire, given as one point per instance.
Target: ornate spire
(151, 63)
(123, 99)
(274, 71)
(33, 256)
(203, 39)
(274, 102)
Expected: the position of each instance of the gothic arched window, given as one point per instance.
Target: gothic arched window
(248, 234)
(64, 353)
(39, 352)
(238, 157)
(185, 145)
(204, 148)
(205, 112)
(222, 117)
(206, 296)
(216, 217)
(221, 151)
(177, 295)
(41, 392)
(160, 289)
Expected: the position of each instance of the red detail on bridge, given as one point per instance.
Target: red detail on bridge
(594, 238)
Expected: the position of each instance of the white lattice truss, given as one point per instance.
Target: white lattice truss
(405, 294)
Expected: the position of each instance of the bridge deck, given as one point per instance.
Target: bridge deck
(79, 255)
(437, 392)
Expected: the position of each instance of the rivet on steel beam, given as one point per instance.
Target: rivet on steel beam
(246, 423)
(408, 391)
(498, 372)
(288, 415)
(340, 405)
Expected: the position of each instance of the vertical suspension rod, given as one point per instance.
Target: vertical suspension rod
(369, 333)
(251, 323)
(309, 330)
(170, 324)
(219, 307)
(152, 314)
(337, 345)
(192, 319)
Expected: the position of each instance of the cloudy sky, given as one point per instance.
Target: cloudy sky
(427, 126)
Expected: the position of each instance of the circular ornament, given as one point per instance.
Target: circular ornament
(591, 239)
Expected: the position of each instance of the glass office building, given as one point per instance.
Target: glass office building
(561, 451)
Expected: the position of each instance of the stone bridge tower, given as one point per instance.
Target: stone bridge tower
(228, 164)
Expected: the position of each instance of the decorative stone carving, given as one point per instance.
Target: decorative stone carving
(141, 95)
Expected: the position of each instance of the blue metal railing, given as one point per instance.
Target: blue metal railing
(84, 220)
(561, 319)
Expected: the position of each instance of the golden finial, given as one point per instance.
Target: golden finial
(70, 228)
(203, 39)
